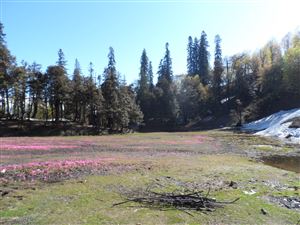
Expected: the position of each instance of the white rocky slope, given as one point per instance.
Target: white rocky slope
(277, 125)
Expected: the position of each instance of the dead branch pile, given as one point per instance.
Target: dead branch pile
(186, 199)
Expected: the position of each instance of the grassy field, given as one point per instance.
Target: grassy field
(76, 180)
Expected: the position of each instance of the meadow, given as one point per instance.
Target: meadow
(78, 179)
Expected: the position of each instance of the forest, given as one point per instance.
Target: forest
(195, 148)
(236, 88)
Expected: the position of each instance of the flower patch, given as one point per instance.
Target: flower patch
(52, 170)
(36, 147)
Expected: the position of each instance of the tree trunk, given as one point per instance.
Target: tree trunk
(7, 102)
(3, 102)
(56, 105)
(30, 107)
(83, 114)
(46, 110)
(35, 108)
(61, 111)
(76, 112)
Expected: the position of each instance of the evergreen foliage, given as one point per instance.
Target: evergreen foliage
(246, 85)
(218, 71)
(203, 59)
(166, 102)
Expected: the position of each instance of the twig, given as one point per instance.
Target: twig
(121, 203)
(207, 192)
(229, 202)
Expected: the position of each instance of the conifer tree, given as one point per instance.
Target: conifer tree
(94, 101)
(218, 70)
(92, 96)
(20, 78)
(195, 59)
(144, 80)
(61, 84)
(203, 63)
(166, 98)
(77, 92)
(110, 91)
(190, 57)
(150, 75)
(165, 66)
(143, 85)
(131, 114)
(61, 59)
(7, 62)
(56, 90)
(35, 83)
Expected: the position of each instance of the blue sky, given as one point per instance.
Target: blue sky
(36, 29)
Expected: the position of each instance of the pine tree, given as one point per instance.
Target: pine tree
(165, 66)
(190, 57)
(218, 70)
(131, 114)
(58, 87)
(150, 75)
(36, 83)
(144, 80)
(61, 59)
(2, 35)
(195, 57)
(56, 90)
(20, 78)
(110, 91)
(166, 98)
(61, 83)
(143, 85)
(46, 96)
(99, 109)
(91, 70)
(92, 96)
(7, 62)
(203, 59)
(77, 92)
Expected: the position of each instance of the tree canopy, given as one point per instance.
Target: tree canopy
(250, 85)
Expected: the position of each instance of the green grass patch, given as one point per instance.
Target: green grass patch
(211, 159)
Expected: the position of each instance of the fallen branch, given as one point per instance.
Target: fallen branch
(184, 200)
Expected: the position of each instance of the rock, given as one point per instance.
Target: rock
(263, 211)
(4, 193)
(251, 192)
(288, 136)
(291, 202)
(233, 184)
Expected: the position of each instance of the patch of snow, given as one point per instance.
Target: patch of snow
(251, 192)
(43, 120)
(276, 125)
(226, 99)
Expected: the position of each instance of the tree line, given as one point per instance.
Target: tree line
(242, 86)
